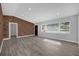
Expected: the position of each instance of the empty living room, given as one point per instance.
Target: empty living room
(39, 29)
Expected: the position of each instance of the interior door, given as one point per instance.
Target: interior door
(13, 30)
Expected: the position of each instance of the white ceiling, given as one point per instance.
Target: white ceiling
(38, 12)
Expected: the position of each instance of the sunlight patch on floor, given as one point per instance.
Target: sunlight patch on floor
(53, 42)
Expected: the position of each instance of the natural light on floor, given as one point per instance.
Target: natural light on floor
(52, 41)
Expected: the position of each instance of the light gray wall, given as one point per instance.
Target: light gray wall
(78, 28)
(71, 37)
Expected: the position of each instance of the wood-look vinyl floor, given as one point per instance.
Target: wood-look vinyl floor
(37, 46)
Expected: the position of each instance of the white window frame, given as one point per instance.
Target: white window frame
(69, 26)
(59, 28)
(10, 29)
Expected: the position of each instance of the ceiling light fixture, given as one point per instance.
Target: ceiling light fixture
(57, 14)
(29, 9)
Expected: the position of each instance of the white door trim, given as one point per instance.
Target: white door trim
(10, 29)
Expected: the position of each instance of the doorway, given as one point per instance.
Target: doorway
(36, 30)
(13, 30)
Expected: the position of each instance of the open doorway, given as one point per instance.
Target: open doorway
(13, 30)
(36, 30)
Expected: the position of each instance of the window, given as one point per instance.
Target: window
(53, 27)
(63, 27)
(43, 28)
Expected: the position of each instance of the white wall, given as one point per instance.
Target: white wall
(78, 28)
(71, 37)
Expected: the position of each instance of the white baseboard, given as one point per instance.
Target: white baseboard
(6, 39)
(26, 36)
(60, 39)
(1, 46)
(66, 40)
(9, 39)
(3, 42)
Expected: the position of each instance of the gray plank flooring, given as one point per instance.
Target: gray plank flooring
(38, 46)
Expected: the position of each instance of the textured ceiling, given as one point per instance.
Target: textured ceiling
(38, 12)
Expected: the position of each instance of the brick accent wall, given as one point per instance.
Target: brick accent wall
(24, 27)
